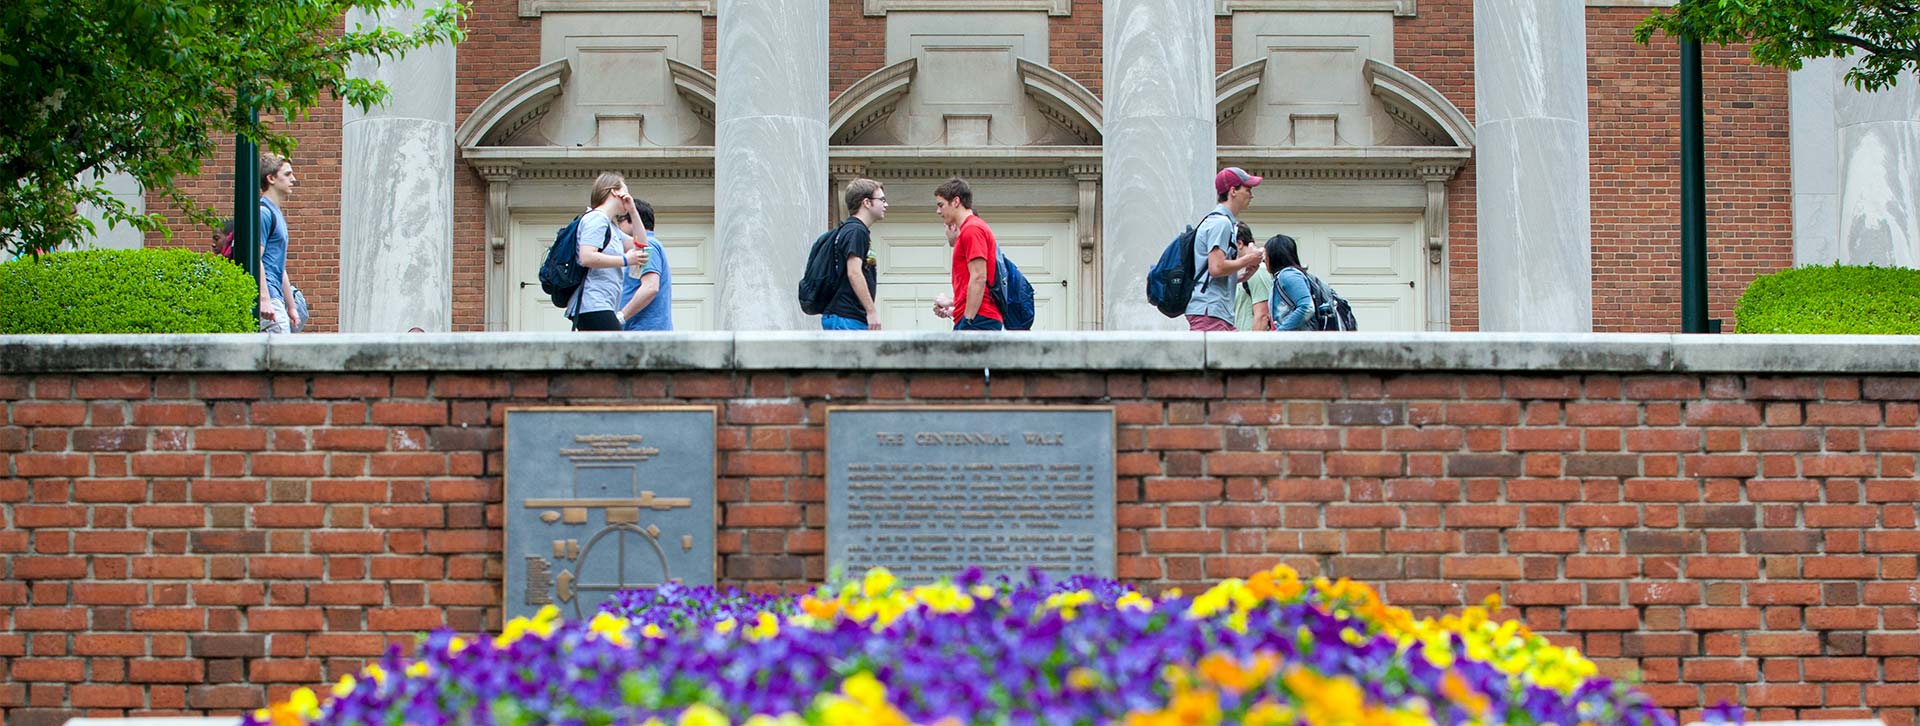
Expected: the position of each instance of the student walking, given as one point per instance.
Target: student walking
(1251, 310)
(974, 256)
(606, 252)
(278, 313)
(646, 292)
(852, 307)
(1211, 307)
(1292, 296)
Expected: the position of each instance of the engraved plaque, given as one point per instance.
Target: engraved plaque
(927, 492)
(628, 484)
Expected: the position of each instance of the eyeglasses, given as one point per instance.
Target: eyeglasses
(623, 219)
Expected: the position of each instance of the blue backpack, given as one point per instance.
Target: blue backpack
(562, 273)
(1170, 281)
(1013, 294)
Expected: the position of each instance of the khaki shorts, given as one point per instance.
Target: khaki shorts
(279, 324)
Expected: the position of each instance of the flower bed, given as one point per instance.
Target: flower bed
(1267, 650)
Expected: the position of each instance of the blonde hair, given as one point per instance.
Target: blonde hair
(603, 187)
(270, 164)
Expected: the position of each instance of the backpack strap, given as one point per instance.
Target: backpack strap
(1200, 275)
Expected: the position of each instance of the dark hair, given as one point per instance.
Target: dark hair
(858, 192)
(1223, 195)
(645, 210)
(226, 227)
(1242, 234)
(270, 164)
(1282, 253)
(956, 189)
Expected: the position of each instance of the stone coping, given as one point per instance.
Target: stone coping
(1037, 351)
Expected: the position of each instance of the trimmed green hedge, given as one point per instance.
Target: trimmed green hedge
(1832, 300)
(126, 291)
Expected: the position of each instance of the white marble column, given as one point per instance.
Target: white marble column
(1815, 136)
(396, 192)
(1535, 212)
(1879, 137)
(770, 156)
(1160, 144)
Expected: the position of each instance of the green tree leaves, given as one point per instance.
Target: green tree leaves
(1782, 33)
(144, 87)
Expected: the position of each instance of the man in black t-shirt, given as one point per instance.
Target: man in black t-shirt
(853, 307)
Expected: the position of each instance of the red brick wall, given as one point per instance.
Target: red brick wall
(858, 44)
(1634, 109)
(1075, 42)
(179, 543)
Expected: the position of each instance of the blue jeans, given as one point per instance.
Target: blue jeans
(978, 322)
(835, 322)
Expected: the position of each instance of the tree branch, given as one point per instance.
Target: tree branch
(1912, 54)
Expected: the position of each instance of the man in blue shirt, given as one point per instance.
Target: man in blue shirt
(1211, 307)
(278, 314)
(646, 294)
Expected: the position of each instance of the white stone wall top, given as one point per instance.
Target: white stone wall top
(1036, 351)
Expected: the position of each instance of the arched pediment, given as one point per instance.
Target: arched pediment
(1234, 88)
(1063, 100)
(1409, 101)
(697, 86)
(1419, 106)
(516, 107)
(869, 101)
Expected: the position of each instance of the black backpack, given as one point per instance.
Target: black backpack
(562, 273)
(825, 271)
(1170, 281)
(1331, 312)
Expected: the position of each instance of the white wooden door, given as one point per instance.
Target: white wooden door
(915, 266)
(1374, 262)
(687, 238)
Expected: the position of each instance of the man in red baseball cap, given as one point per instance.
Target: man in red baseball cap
(1211, 307)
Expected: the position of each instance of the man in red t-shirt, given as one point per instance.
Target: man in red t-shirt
(974, 255)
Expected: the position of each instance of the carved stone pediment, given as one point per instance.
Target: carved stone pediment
(511, 116)
(869, 101)
(1063, 101)
(1418, 106)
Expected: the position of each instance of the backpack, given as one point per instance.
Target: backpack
(824, 273)
(226, 248)
(1331, 312)
(1013, 294)
(1170, 280)
(562, 273)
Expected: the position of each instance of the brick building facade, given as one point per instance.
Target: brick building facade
(1633, 111)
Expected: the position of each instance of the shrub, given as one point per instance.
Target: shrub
(126, 291)
(1832, 300)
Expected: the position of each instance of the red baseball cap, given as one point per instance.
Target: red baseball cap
(1233, 176)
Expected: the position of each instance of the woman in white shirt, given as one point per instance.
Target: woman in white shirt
(606, 252)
